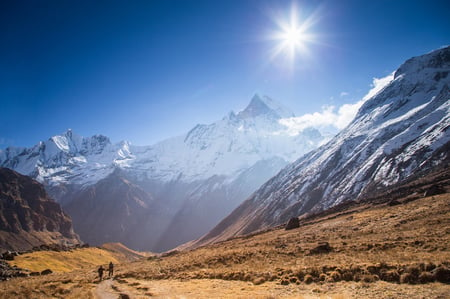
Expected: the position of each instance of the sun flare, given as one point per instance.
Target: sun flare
(293, 35)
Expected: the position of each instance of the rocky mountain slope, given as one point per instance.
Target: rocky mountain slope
(116, 209)
(194, 180)
(401, 131)
(28, 217)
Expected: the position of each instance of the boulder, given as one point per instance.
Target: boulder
(9, 255)
(46, 272)
(434, 190)
(323, 247)
(292, 223)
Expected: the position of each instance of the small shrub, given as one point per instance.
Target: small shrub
(367, 278)
(322, 277)
(335, 276)
(299, 274)
(273, 277)
(426, 277)
(373, 269)
(407, 278)
(430, 267)
(228, 276)
(413, 270)
(284, 282)
(347, 275)
(308, 279)
(442, 274)
(314, 272)
(293, 279)
(390, 276)
(237, 276)
(259, 280)
(63, 291)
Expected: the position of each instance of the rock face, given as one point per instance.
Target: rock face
(401, 131)
(28, 217)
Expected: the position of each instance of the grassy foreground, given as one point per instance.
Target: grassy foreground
(379, 251)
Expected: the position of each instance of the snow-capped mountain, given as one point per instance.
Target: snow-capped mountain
(225, 147)
(215, 166)
(67, 158)
(401, 131)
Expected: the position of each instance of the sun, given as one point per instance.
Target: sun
(294, 35)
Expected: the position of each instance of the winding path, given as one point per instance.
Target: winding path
(104, 290)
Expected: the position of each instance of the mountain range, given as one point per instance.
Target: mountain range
(157, 197)
(400, 132)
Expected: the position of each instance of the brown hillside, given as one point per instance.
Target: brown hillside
(28, 216)
(388, 250)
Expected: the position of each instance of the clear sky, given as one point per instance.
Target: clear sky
(143, 71)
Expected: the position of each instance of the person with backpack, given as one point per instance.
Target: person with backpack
(110, 269)
(100, 273)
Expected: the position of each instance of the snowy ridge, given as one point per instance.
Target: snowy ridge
(400, 131)
(67, 158)
(227, 147)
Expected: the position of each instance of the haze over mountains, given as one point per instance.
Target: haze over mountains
(157, 197)
(400, 132)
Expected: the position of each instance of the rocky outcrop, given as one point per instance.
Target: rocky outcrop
(292, 223)
(28, 216)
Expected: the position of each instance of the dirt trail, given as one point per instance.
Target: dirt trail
(104, 290)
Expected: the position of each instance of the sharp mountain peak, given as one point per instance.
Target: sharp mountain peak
(264, 105)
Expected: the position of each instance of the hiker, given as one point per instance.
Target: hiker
(110, 269)
(100, 273)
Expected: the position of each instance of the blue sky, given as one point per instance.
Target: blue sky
(143, 71)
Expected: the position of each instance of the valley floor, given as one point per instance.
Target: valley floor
(379, 251)
(215, 288)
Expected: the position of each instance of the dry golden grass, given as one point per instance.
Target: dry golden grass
(65, 261)
(377, 251)
(64, 285)
(370, 244)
